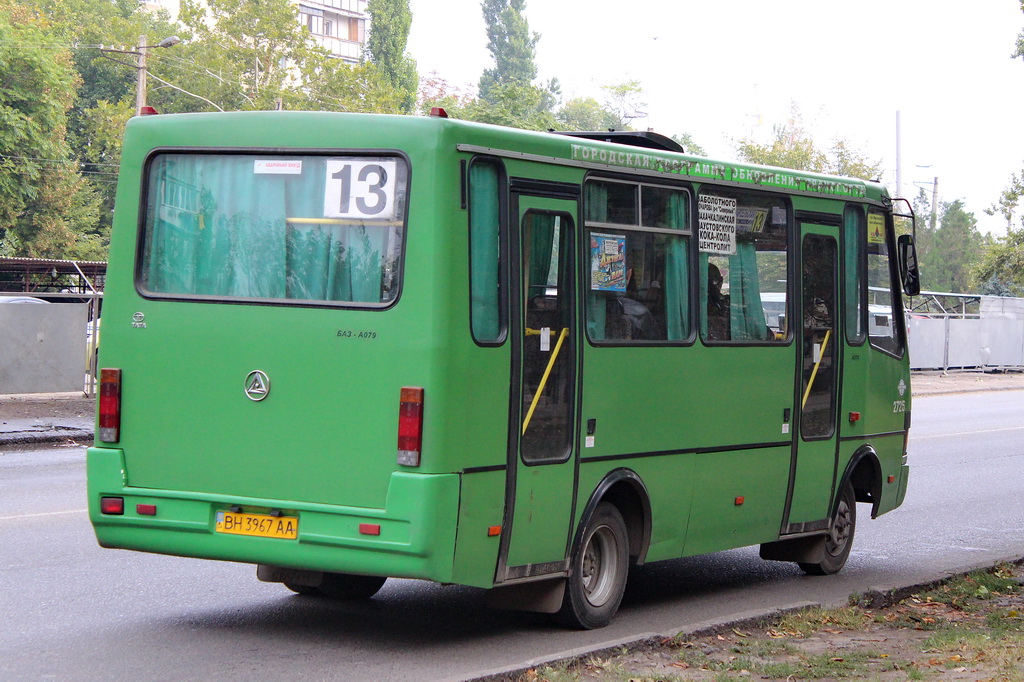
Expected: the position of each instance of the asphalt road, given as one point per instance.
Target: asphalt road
(74, 611)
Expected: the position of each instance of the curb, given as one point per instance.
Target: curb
(873, 598)
(58, 434)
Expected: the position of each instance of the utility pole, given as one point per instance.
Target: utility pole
(899, 161)
(140, 82)
(139, 64)
(935, 202)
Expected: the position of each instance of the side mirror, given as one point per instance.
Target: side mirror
(906, 254)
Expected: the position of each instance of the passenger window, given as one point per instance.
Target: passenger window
(486, 309)
(744, 268)
(853, 272)
(882, 325)
(639, 287)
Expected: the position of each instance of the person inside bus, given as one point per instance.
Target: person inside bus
(629, 318)
(718, 306)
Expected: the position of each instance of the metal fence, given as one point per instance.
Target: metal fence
(961, 331)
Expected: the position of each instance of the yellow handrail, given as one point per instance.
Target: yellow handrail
(814, 372)
(544, 379)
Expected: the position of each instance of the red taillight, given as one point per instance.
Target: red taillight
(110, 405)
(112, 505)
(410, 426)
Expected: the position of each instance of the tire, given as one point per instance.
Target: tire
(597, 575)
(350, 587)
(304, 590)
(840, 536)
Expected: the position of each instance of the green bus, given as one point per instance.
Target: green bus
(349, 347)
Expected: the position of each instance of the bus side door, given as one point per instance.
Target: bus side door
(542, 424)
(818, 369)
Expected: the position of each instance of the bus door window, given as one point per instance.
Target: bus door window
(743, 266)
(882, 327)
(638, 236)
(819, 336)
(547, 346)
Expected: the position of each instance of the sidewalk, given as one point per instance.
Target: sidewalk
(46, 418)
(59, 417)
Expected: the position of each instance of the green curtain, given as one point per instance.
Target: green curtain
(702, 277)
(596, 204)
(677, 281)
(540, 234)
(853, 246)
(217, 228)
(484, 250)
(747, 321)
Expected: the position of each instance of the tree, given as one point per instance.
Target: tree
(1001, 269)
(241, 54)
(512, 46)
(45, 205)
(1009, 200)
(585, 113)
(1019, 51)
(507, 93)
(792, 147)
(624, 103)
(687, 142)
(953, 251)
(390, 21)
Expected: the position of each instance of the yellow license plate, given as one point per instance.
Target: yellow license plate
(259, 525)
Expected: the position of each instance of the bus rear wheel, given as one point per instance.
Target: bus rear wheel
(597, 576)
(840, 536)
(342, 586)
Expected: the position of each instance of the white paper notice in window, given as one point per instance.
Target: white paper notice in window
(277, 167)
(717, 233)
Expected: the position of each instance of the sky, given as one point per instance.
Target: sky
(725, 70)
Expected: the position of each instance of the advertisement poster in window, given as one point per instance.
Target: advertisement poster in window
(876, 228)
(607, 262)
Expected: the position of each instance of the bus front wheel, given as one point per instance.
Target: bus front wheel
(840, 536)
(597, 576)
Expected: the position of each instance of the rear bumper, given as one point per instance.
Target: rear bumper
(416, 540)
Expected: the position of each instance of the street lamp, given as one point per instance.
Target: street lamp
(140, 66)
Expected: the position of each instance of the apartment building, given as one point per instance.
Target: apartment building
(338, 25)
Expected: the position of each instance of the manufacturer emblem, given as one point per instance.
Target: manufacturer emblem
(902, 387)
(257, 385)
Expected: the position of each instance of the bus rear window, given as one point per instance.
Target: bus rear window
(295, 228)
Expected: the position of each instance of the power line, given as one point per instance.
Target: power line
(68, 161)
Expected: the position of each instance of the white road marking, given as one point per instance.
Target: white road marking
(31, 516)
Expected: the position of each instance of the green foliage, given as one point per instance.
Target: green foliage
(624, 102)
(512, 46)
(585, 113)
(45, 204)
(949, 254)
(1019, 51)
(390, 21)
(514, 105)
(1001, 269)
(244, 48)
(791, 146)
(687, 142)
(1009, 200)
